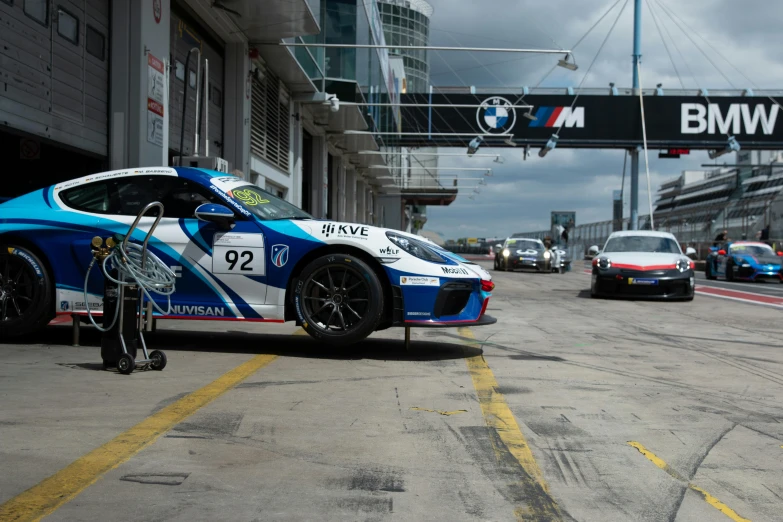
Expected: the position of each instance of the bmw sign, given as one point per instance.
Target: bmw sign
(496, 116)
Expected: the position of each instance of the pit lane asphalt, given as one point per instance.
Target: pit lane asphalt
(630, 410)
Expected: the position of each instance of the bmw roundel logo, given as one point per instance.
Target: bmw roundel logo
(279, 255)
(496, 115)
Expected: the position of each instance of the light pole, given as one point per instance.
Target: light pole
(634, 152)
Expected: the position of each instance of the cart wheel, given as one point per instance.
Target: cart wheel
(158, 359)
(126, 364)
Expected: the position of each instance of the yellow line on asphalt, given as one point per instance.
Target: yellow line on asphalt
(453, 412)
(48, 495)
(499, 417)
(709, 499)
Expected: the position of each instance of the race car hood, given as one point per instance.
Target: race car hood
(374, 241)
(642, 260)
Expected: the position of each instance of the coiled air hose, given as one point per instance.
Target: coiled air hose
(151, 275)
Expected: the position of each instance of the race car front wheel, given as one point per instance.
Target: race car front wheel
(338, 299)
(25, 292)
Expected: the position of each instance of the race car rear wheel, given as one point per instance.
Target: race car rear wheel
(25, 292)
(338, 299)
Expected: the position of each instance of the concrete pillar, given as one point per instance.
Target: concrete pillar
(295, 193)
(137, 30)
(342, 196)
(320, 176)
(236, 108)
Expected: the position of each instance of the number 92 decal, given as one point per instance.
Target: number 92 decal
(241, 254)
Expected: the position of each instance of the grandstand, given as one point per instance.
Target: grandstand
(744, 199)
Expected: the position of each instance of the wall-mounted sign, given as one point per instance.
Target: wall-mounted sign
(156, 83)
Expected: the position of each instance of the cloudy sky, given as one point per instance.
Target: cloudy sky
(521, 194)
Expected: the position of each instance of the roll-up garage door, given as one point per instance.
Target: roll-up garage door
(54, 69)
(185, 35)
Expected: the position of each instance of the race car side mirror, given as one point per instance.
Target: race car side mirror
(721, 252)
(222, 216)
(780, 253)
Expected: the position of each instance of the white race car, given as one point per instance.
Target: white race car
(642, 263)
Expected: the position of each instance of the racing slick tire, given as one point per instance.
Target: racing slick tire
(708, 271)
(25, 292)
(338, 299)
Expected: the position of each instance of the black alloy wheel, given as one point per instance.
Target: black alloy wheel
(339, 299)
(25, 293)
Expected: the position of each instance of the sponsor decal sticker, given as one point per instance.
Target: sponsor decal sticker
(454, 270)
(65, 306)
(345, 231)
(233, 203)
(206, 311)
(81, 305)
(419, 281)
(279, 255)
(389, 250)
(641, 281)
(24, 255)
(250, 198)
(426, 314)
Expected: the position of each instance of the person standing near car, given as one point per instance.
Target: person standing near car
(721, 238)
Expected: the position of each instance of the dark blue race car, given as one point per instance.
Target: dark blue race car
(744, 261)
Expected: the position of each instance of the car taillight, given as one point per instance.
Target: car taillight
(693, 265)
(595, 261)
(487, 286)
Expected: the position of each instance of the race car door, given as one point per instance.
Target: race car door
(219, 273)
(720, 262)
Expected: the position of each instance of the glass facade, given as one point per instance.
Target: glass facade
(366, 71)
(407, 22)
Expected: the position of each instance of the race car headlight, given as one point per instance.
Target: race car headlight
(604, 263)
(506, 252)
(683, 264)
(415, 248)
(547, 254)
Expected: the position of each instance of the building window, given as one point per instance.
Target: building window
(95, 43)
(179, 70)
(38, 10)
(67, 25)
(270, 122)
(216, 96)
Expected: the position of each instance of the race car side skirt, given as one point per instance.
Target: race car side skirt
(481, 321)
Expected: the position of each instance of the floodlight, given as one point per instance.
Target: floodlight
(526, 154)
(551, 144)
(474, 145)
(731, 146)
(500, 159)
(571, 66)
(510, 142)
(530, 116)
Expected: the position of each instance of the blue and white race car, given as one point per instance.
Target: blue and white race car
(239, 253)
(744, 261)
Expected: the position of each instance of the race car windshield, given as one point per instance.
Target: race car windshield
(523, 244)
(752, 250)
(266, 205)
(643, 244)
